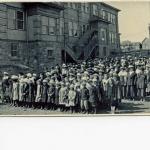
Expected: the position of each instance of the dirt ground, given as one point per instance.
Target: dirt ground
(126, 107)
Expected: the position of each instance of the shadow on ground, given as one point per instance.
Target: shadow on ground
(125, 108)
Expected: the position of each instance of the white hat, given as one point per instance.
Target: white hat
(45, 81)
(34, 74)
(51, 82)
(67, 83)
(94, 80)
(71, 86)
(14, 77)
(48, 73)
(5, 73)
(147, 65)
(130, 66)
(29, 75)
(64, 65)
(85, 72)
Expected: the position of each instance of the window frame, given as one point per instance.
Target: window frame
(95, 12)
(103, 35)
(15, 19)
(72, 30)
(52, 53)
(49, 26)
(14, 50)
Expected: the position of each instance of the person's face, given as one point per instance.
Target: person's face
(41, 76)
(105, 76)
(44, 83)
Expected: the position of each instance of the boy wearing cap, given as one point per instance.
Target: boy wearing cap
(93, 97)
(5, 87)
(141, 85)
(62, 96)
(44, 95)
(131, 82)
(57, 89)
(51, 96)
(72, 98)
(84, 98)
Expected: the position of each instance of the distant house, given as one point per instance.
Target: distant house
(127, 46)
(146, 43)
(136, 46)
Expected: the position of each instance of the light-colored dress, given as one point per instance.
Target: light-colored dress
(39, 93)
(15, 91)
(62, 96)
(72, 98)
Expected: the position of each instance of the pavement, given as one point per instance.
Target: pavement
(126, 107)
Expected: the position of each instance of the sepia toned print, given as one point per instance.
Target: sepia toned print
(61, 58)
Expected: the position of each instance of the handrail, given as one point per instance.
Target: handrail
(70, 51)
(86, 35)
(89, 48)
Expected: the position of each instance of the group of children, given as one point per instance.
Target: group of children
(83, 88)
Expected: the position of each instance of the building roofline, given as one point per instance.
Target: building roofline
(107, 5)
(49, 4)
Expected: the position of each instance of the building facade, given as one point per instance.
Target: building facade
(38, 36)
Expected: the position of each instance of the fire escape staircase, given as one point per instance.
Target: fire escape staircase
(84, 46)
(88, 49)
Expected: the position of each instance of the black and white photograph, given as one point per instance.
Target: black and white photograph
(75, 58)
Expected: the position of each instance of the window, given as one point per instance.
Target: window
(104, 51)
(109, 17)
(48, 25)
(14, 49)
(103, 14)
(11, 19)
(73, 29)
(49, 53)
(52, 26)
(85, 7)
(113, 19)
(103, 35)
(44, 24)
(20, 20)
(70, 29)
(61, 26)
(112, 37)
(73, 5)
(15, 19)
(95, 10)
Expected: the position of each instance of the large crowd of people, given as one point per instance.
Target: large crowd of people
(82, 88)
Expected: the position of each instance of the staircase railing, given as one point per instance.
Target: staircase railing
(68, 48)
(82, 46)
(90, 47)
(82, 40)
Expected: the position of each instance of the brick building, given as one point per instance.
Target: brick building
(40, 35)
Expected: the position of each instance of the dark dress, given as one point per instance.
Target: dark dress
(30, 93)
(93, 96)
(131, 82)
(44, 95)
(141, 85)
(57, 95)
(51, 94)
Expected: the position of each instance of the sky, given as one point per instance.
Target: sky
(134, 19)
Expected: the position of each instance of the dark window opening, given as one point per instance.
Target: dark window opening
(14, 49)
(49, 53)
